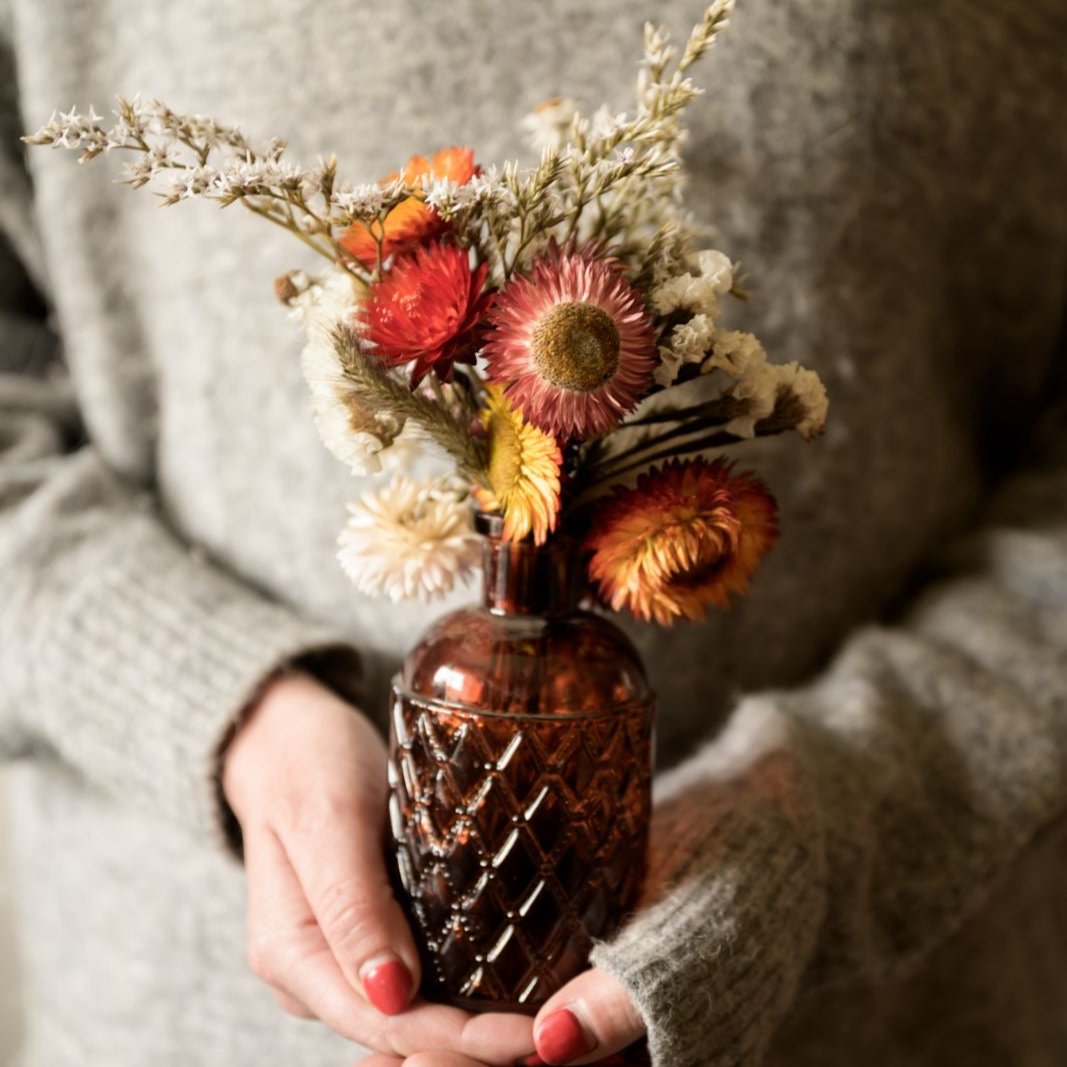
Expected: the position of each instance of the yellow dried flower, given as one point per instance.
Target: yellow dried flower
(524, 465)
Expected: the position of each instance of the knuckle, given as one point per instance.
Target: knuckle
(263, 959)
(618, 1017)
(256, 963)
(315, 810)
(380, 1040)
(350, 911)
(292, 1007)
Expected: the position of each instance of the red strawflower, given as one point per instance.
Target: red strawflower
(424, 310)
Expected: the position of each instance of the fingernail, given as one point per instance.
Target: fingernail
(560, 1038)
(533, 1060)
(387, 985)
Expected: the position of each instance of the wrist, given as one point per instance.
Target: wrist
(239, 746)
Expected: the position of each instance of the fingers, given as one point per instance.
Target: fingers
(494, 1037)
(422, 1059)
(292, 1006)
(306, 777)
(590, 1018)
(288, 951)
(337, 855)
(441, 1059)
(286, 948)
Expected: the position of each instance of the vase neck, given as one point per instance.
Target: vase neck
(522, 578)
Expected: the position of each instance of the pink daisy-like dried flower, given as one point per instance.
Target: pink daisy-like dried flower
(571, 343)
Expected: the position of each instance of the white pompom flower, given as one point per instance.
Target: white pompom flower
(410, 539)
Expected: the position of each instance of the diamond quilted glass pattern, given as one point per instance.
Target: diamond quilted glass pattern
(518, 840)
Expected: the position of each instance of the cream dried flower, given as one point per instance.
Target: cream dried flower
(689, 343)
(410, 539)
(742, 357)
(809, 392)
(734, 353)
(353, 433)
(758, 388)
(697, 290)
(761, 384)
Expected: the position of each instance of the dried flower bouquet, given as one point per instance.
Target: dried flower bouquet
(555, 329)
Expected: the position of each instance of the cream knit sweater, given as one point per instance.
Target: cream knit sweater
(861, 862)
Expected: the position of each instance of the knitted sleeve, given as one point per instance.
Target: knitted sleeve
(121, 650)
(843, 829)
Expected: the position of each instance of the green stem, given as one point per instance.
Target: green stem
(686, 429)
(520, 244)
(265, 213)
(709, 409)
(768, 428)
(589, 493)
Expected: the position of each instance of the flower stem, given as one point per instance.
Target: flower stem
(611, 467)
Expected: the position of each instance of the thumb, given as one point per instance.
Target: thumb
(340, 863)
(590, 1018)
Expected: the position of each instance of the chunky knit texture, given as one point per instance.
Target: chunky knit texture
(862, 861)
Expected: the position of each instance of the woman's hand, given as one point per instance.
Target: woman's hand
(306, 778)
(587, 1022)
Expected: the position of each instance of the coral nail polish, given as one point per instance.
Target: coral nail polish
(388, 986)
(560, 1038)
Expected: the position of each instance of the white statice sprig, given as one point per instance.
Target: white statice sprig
(614, 180)
(75, 131)
(410, 539)
(548, 127)
(689, 302)
(184, 157)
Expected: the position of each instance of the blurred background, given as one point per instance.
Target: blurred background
(9, 1029)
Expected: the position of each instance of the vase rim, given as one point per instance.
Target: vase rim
(488, 523)
(430, 703)
(491, 524)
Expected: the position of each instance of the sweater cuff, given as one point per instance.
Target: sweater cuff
(143, 668)
(735, 900)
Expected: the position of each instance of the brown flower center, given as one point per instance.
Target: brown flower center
(576, 346)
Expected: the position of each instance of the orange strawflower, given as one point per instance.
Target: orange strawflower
(411, 221)
(689, 535)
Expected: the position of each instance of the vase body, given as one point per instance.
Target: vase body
(519, 773)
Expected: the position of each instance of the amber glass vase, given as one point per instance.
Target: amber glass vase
(519, 773)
